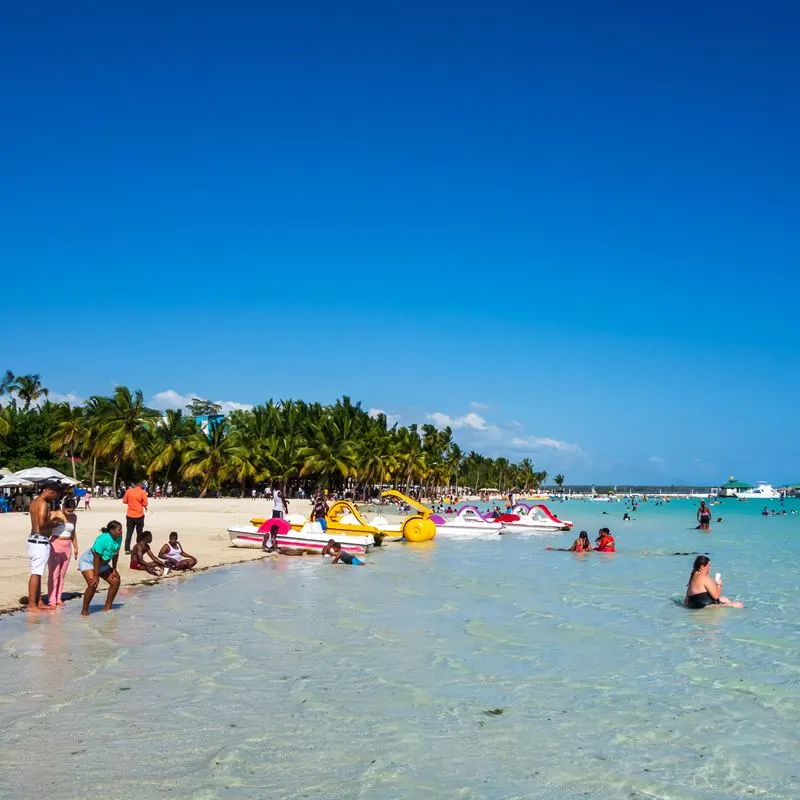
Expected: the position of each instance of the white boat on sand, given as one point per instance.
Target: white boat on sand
(309, 537)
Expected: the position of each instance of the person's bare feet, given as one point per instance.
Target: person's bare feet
(37, 609)
(84, 613)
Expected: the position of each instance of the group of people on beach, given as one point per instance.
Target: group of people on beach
(53, 543)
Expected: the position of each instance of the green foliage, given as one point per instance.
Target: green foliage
(286, 443)
(203, 408)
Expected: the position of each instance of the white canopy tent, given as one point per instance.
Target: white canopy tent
(12, 481)
(36, 475)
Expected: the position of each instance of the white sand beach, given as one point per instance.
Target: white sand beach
(201, 524)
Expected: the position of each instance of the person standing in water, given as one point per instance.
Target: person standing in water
(42, 526)
(704, 516)
(101, 562)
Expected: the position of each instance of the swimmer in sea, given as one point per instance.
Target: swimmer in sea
(626, 517)
(580, 545)
(702, 590)
(339, 555)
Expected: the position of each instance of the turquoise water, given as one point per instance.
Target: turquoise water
(293, 678)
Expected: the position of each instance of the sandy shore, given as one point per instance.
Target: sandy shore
(201, 524)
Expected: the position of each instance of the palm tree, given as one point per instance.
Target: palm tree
(502, 466)
(213, 457)
(455, 459)
(8, 383)
(526, 473)
(7, 419)
(28, 388)
(410, 452)
(539, 478)
(330, 453)
(559, 481)
(68, 434)
(376, 459)
(170, 435)
(121, 426)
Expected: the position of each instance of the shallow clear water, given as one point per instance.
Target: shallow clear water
(293, 678)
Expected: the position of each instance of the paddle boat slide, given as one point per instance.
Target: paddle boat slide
(467, 521)
(538, 518)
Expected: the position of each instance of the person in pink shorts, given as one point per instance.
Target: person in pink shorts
(63, 546)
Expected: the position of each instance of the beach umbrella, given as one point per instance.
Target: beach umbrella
(12, 482)
(283, 526)
(40, 474)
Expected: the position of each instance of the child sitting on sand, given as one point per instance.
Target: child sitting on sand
(141, 550)
(174, 556)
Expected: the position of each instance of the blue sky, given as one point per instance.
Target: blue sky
(572, 232)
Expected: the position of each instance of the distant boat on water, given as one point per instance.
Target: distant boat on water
(746, 491)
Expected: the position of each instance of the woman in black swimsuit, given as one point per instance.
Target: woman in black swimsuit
(702, 590)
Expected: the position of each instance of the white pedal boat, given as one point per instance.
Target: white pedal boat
(310, 537)
(538, 518)
(467, 521)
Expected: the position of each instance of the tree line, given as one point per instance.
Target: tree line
(289, 443)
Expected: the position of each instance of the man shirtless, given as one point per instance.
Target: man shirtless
(39, 542)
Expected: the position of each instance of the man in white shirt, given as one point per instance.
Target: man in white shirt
(279, 505)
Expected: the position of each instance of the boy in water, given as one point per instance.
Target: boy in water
(338, 555)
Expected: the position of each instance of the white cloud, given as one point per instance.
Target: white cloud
(470, 420)
(172, 399)
(391, 419)
(478, 406)
(543, 443)
(53, 397)
(656, 460)
(72, 399)
(232, 405)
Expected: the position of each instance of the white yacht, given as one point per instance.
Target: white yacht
(763, 491)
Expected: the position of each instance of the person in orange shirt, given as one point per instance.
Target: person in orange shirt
(136, 500)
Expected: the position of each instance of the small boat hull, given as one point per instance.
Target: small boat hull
(248, 536)
(468, 530)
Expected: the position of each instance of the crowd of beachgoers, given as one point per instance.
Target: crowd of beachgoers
(53, 544)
